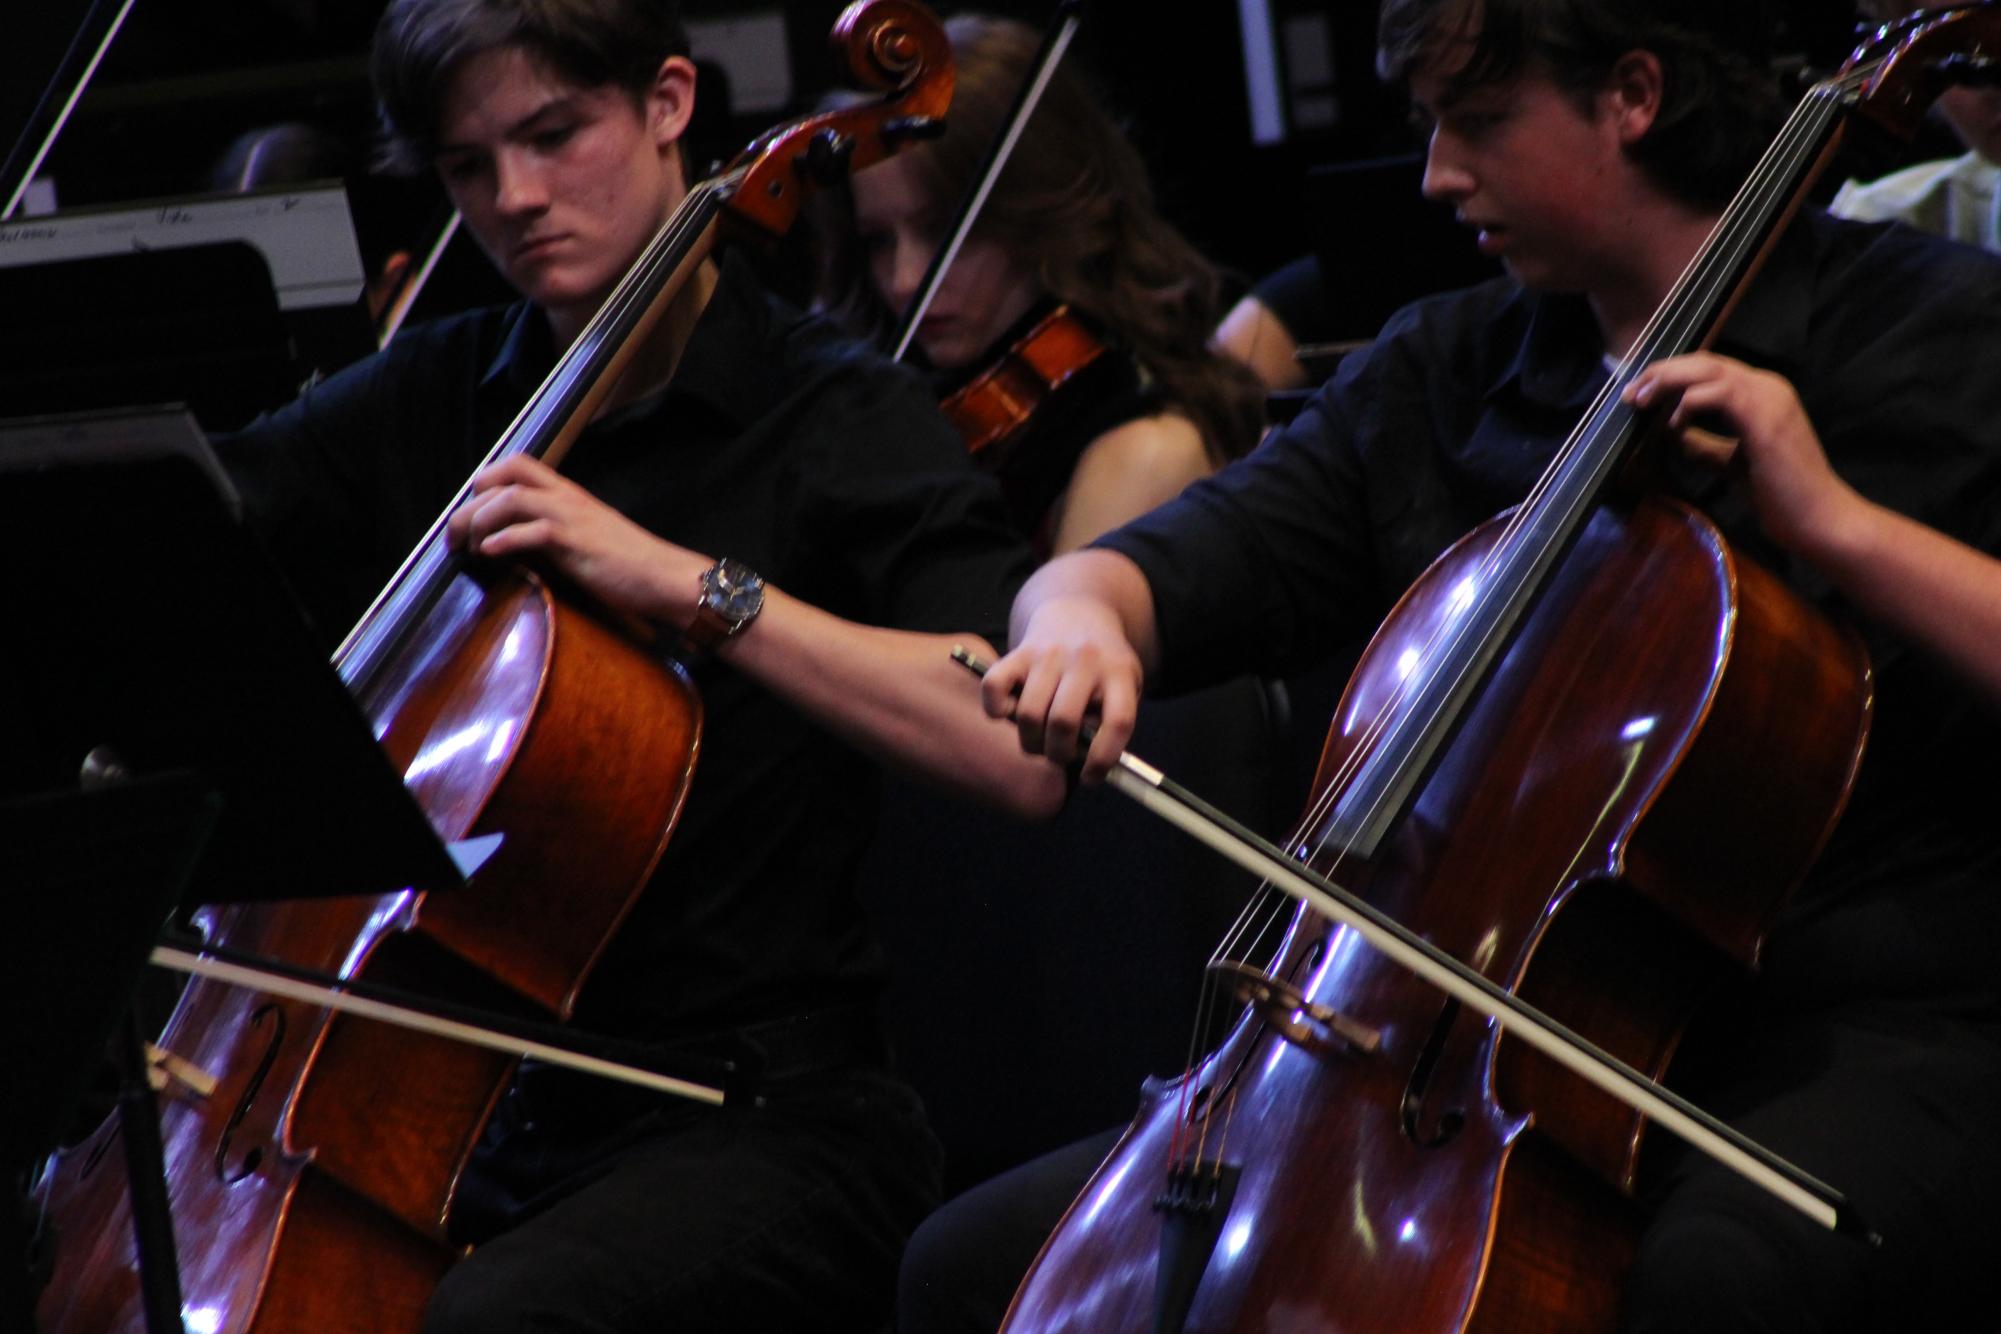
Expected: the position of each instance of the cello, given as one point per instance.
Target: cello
(1568, 803)
(313, 1176)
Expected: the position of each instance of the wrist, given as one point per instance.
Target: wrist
(729, 596)
(1844, 531)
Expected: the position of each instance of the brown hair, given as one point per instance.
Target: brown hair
(1074, 203)
(419, 44)
(1720, 106)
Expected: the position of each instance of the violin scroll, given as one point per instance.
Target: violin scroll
(895, 45)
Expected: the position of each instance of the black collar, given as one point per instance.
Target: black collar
(729, 336)
(1559, 363)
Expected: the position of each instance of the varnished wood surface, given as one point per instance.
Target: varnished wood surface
(309, 1192)
(1447, 1182)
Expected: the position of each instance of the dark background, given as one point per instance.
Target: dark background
(186, 76)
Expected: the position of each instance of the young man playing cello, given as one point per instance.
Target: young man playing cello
(1591, 144)
(845, 504)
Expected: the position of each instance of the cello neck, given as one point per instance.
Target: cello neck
(1578, 478)
(554, 415)
(892, 45)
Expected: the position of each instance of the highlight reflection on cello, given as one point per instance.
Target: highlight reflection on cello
(1592, 145)
(739, 428)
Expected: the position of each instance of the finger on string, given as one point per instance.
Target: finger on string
(514, 538)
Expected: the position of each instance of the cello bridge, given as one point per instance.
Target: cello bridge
(1304, 1023)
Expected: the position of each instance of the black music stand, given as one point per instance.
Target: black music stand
(93, 875)
(153, 639)
(193, 324)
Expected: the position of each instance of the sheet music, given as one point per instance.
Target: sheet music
(305, 234)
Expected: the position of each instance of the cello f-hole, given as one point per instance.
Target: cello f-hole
(1453, 1119)
(255, 1157)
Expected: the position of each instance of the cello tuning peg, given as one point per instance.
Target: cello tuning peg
(1962, 70)
(896, 132)
(826, 156)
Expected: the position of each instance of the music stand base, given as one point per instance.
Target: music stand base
(146, 1171)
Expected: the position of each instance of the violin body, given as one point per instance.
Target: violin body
(1601, 834)
(992, 408)
(310, 1189)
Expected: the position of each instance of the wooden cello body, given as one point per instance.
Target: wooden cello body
(310, 1186)
(1605, 836)
(1586, 758)
(309, 1189)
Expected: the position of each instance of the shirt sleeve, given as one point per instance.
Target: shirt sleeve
(906, 532)
(341, 482)
(1269, 565)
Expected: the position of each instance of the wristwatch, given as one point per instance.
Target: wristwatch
(732, 596)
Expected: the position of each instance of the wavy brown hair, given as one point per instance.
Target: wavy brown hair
(1074, 205)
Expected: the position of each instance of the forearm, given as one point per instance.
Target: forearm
(1105, 578)
(898, 696)
(1931, 589)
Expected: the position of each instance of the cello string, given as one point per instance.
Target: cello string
(1804, 126)
(1446, 635)
(1720, 255)
(1744, 223)
(1749, 221)
(1142, 783)
(1525, 555)
(1678, 318)
(428, 563)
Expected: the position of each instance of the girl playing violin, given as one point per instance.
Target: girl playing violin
(1070, 223)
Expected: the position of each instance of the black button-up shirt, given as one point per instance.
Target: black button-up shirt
(777, 443)
(1892, 340)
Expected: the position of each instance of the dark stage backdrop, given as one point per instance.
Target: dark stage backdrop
(187, 76)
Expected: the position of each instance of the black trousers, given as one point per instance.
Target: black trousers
(788, 1216)
(1896, 1108)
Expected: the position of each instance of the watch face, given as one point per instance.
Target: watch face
(735, 591)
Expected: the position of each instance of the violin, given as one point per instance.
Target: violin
(313, 1157)
(1546, 791)
(990, 411)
